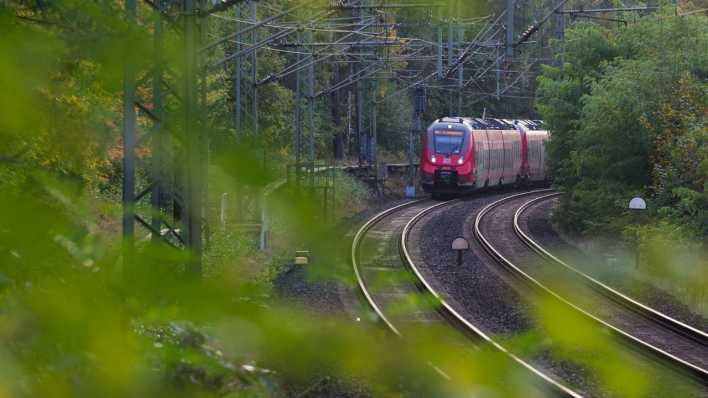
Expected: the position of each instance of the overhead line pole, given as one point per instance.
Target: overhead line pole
(193, 197)
(510, 28)
(204, 137)
(254, 70)
(361, 137)
(560, 35)
(450, 51)
(440, 47)
(237, 104)
(311, 112)
(298, 120)
(460, 73)
(158, 149)
(129, 141)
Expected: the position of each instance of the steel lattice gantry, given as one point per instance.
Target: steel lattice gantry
(164, 191)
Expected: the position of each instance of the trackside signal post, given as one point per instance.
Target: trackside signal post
(637, 205)
(418, 109)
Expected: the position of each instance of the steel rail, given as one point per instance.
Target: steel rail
(679, 364)
(445, 309)
(450, 313)
(355, 248)
(652, 314)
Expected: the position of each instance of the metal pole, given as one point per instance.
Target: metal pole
(360, 105)
(158, 147)
(450, 55)
(372, 147)
(450, 41)
(636, 253)
(237, 108)
(347, 146)
(360, 119)
(203, 136)
(498, 72)
(265, 220)
(311, 108)
(223, 210)
(237, 105)
(193, 139)
(440, 53)
(561, 33)
(460, 74)
(129, 141)
(509, 28)
(440, 46)
(410, 189)
(298, 117)
(254, 68)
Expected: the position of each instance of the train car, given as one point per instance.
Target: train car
(534, 138)
(464, 154)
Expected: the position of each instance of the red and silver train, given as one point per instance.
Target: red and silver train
(465, 154)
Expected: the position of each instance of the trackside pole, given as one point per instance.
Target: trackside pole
(418, 109)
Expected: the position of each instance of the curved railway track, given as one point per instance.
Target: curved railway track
(380, 258)
(675, 344)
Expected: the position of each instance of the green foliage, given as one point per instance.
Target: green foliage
(81, 315)
(628, 116)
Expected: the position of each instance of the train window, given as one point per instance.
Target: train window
(447, 143)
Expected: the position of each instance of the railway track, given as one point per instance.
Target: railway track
(676, 345)
(381, 262)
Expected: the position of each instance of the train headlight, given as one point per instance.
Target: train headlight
(432, 159)
(460, 160)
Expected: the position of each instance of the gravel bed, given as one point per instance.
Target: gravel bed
(486, 297)
(536, 220)
(326, 295)
(478, 289)
(321, 296)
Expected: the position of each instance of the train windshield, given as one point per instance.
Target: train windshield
(448, 142)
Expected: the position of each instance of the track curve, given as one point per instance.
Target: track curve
(384, 224)
(627, 320)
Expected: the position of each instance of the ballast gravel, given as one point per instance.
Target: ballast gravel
(478, 288)
(537, 221)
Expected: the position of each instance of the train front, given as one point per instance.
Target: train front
(446, 164)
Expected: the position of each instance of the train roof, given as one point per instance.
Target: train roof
(531, 124)
(494, 124)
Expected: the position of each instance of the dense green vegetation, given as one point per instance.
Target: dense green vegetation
(73, 322)
(629, 115)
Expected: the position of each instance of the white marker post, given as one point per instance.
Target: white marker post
(460, 245)
(637, 204)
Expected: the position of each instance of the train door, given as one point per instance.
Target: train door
(543, 166)
(531, 152)
(510, 155)
(496, 146)
(534, 155)
(481, 157)
(502, 168)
